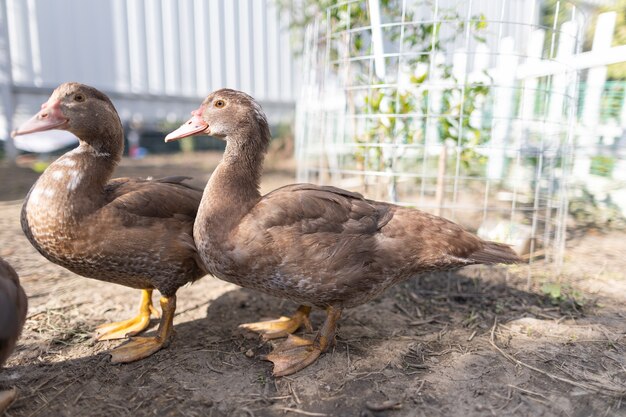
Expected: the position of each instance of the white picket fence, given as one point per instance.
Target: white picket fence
(594, 137)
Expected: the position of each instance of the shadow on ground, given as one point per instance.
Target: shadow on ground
(421, 349)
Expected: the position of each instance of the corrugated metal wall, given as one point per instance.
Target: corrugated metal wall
(154, 57)
(174, 47)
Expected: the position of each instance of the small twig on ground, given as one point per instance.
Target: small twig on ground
(192, 308)
(420, 387)
(606, 390)
(423, 321)
(527, 391)
(119, 407)
(247, 411)
(404, 310)
(385, 405)
(507, 400)
(217, 371)
(54, 309)
(616, 360)
(46, 401)
(469, 339)
(294, 394)
(138, 406)
(78, 397)
(418, 366)
(297, 411)
(40, 386)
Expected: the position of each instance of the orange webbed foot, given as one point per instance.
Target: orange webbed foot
(284, 326)
(292, 355)
(130, 327)
(296, 353)
(137, 348)
(141, 347)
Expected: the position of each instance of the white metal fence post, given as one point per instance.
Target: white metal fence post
(596, 77)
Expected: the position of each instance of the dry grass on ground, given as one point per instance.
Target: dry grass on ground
(480, 342)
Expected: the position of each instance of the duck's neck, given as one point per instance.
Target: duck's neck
(74, 185)
(233, 188)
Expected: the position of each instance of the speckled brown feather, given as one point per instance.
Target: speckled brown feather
(133, 232)
(316, 245)
(13, 306)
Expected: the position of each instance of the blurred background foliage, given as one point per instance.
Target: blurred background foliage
(591, 11)
(404, 110)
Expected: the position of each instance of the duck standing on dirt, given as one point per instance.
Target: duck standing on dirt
(317, 245)
(133, 232)
(13, 306)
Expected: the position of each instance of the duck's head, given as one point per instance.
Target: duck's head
(227, 114)
(82, 110)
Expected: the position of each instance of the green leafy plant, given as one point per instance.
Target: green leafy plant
(602, 165)
(552, 290)
(420, 99)
(560, 294)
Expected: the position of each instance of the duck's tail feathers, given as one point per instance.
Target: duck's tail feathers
(495, 253)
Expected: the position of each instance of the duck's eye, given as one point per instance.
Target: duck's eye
(219, 104)
(79, 97)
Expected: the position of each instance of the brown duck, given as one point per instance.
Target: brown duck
(128, 231)
(13, 305)
(319, 246)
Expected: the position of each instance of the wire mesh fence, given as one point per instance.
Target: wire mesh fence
(461, 108)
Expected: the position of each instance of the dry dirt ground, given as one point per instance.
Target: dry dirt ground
(479, 342)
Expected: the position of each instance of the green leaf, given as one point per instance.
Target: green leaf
(552, 289)
(481, 22)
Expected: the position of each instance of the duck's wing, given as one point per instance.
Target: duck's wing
(310, 209)
(306, 226)
(330, 223)
(145, 199)
(155, 216)
(313, 187)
